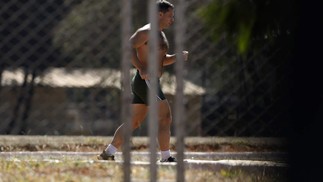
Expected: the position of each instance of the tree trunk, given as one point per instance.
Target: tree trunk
(16, 111)
(28, 104)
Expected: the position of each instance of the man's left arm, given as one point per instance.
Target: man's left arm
(171, 58)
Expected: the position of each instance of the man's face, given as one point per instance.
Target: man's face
(166, 19)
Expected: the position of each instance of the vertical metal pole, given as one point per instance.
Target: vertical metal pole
(179, 98)
(152, 72)
(126, 93)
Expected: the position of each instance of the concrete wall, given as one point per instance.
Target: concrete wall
(60, 111)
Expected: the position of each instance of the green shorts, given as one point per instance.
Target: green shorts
(140, 90)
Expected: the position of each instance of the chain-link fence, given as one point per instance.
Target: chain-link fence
(60, 70)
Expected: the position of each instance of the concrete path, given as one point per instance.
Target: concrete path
(254, 162)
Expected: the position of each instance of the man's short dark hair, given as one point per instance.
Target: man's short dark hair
(163, 6)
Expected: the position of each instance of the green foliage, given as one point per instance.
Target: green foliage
(246, 23)
(235, 18)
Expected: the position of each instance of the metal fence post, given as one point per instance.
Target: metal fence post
(179, 98)
(126, 94)
(152, 71)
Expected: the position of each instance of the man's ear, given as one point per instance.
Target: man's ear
(160, 14)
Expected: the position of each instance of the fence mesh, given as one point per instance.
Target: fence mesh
(60, 70)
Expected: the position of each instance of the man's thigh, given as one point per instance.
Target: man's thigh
(164, 109)
(139, 112)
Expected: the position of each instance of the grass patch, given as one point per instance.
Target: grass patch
(79, 171)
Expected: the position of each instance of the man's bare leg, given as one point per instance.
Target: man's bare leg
(164, 125)
(139, 112)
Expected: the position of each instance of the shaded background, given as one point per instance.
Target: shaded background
(307, 93)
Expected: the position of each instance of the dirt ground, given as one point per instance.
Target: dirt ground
(97, 143)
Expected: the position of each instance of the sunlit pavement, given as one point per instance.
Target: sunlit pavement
(269, 162)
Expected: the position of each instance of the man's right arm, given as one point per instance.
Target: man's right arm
(139, 38)
(135, 61)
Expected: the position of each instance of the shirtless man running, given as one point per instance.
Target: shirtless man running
(140, 85)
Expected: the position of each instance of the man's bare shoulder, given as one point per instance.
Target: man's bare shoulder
(142, 32)
(144, 28)
(140, 37)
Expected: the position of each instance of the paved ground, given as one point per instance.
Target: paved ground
(261, 157)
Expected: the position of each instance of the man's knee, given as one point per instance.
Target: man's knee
(165, 116)
(165, 120)
(136, 124)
